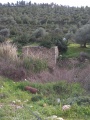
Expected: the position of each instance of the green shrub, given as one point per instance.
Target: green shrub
(52, 100)
(21, 85)
(75, 88)
(61, 87)
(3, 95)
(62, 46)
(54, 40)
(47, 44)
(35, 65)
(5, 32)
(36, 98)
(40, 32)
(80, 100)
(22, 39)
(2, 38)
(46, 41)
(58, 40)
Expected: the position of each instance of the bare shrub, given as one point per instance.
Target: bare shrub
(15, 68)
(10, 64)
(84, 77)
(10, 70)
(83, 56)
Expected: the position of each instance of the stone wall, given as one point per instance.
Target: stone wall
(50, 55)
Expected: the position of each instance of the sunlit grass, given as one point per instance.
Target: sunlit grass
(75, 49)
(43, 104)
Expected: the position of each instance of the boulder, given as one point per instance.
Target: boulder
(54, 117)
(59, 118)
(66, 107)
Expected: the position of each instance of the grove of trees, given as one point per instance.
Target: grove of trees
(25, 23)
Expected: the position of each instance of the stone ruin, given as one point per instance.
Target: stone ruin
(43, 53)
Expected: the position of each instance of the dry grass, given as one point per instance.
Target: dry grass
(13, 67)
(8, 51)
(9, 62)
(19, 69)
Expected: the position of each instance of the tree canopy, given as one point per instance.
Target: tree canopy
(27, 22)
(82, 35)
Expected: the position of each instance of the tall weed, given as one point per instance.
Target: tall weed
(8, 51)
(34, 65)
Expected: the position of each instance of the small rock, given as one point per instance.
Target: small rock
(13, 102)
(58, 100)
(19, 107)
(54, 117)
(59, 118)
(66, 107)
(1, 106)
(44, 105)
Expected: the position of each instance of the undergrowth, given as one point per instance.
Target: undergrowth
(17, 68)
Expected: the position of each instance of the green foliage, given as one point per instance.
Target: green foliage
(14, 67)
(13, 32)
(5, 32)
(40, 32)
(41, 104)
(82, 36)
(62, 45)
(36, 98)
(3, 96)
(21, 85)
(22, 39)
(2, 38)
(36, 17)
(25, 19)
(21, 22)
(35, 65)
(18, 19)
(46, 41)
(75, 88)
(61, 87)
(58, 41)
(54, 40)
(74, 50)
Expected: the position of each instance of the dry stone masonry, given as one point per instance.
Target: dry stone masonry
(43, 53)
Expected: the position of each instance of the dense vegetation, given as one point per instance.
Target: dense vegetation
(45, 25)
(25, 23)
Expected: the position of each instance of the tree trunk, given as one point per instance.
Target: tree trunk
(84, 45)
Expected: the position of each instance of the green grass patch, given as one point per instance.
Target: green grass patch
(74, 50)
(22, 105)
(35, 65)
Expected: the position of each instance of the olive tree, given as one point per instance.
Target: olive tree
(82, 35)
(40, 32)
(5, 32)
